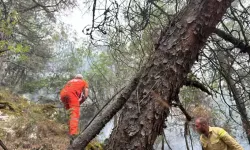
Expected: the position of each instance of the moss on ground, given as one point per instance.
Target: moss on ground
(30, 125)
(33, 126)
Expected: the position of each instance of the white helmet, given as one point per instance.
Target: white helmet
(78, 76)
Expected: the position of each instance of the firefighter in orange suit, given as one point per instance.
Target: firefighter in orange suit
(73, 95)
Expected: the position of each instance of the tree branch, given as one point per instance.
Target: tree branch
(186, 132)
(2, 51)
(44, 8)
(244, 47)
(164, 135)
(100, 110)
(3, 146)
(178, 103)
(4, 10)
(198, 85)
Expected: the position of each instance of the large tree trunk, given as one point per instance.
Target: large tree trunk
(142, 117)
(226, 71)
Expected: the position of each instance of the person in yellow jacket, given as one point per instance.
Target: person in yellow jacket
(215, 138)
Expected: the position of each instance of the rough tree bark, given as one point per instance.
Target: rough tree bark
(142, 117)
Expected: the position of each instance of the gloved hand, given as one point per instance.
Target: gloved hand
(82, 99)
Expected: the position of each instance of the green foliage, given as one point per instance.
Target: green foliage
(29, 35)
(190, 95)
(7, 26)
(101, 64)
(21, 106)
(35, 85)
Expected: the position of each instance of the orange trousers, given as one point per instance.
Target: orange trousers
(71, 103)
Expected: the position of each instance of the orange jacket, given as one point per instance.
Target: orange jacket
(74, 86)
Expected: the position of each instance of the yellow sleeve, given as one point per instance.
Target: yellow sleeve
(230, 141)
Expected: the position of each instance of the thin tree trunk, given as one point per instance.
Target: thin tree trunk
(169, 147)
(239, 101)
(2, 145)
(162, 143)
(142, 117)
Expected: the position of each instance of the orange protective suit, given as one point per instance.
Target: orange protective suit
(70, 96)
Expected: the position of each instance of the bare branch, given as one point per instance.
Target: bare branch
(178, 103)
(244, 47)
(2, 51)
(198, 85)
(3, 146)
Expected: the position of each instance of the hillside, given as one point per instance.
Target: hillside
(27, 125)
